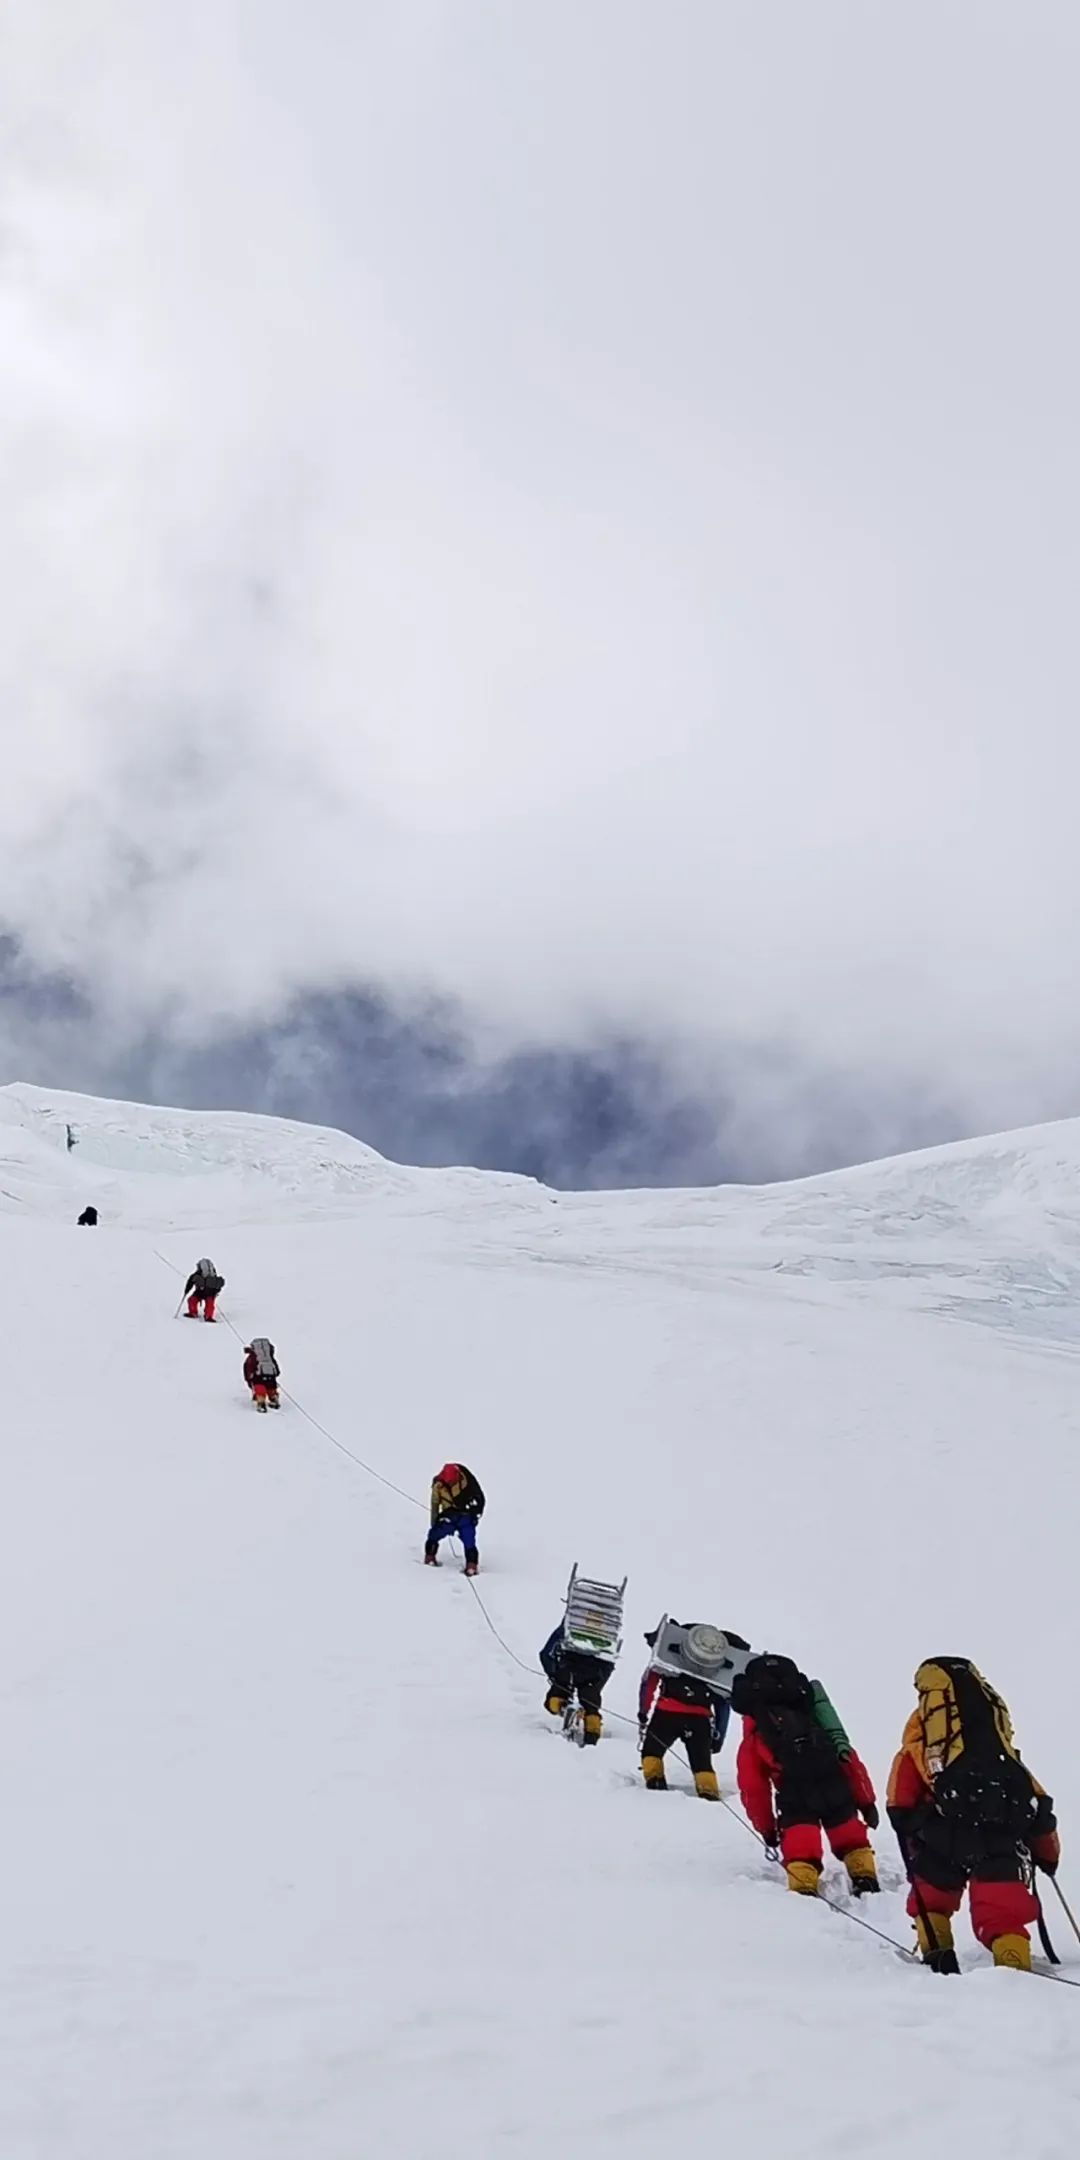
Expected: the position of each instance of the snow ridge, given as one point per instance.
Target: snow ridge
(302, 1867)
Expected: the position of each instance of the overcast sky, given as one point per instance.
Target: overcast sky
(570, 505)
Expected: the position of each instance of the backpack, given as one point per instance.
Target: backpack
(781, 1701)
(768, 1682)
(697, 1653)
(976, 1776)
(205, 1267)
(266, 1364)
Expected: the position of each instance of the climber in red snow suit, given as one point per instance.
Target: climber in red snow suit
(203, 1287)
(799, 1775)
(262, 1372)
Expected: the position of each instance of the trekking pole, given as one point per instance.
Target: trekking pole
(179, 1308)
(1048, 1948)
(1068, 1910)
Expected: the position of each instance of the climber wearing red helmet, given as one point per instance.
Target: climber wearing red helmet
(457, 1503)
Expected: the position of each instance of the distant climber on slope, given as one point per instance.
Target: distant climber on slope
(579, 1655)
(87, 1219)
(685, 1697)
(967, 1812)
(262, 1373)
(203, 1287)
(799, 1774)
(457, 1503)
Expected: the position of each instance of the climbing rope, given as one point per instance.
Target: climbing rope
(312, 1420)
(903, 1950)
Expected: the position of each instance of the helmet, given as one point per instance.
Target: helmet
(449, 1474)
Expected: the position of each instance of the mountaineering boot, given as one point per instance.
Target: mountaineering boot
(1013, 1950)
(862, 1870)
(275, 1400)
(937, 1946)
(554, 1702)
(652, 1770)
(472, 1564)
(431, 1554)
(705, 1785)
(802, 1876)
(942, 1961)
(594, 1726)
(260, 1405)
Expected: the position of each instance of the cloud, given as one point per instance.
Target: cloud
(620, 1112)
(563, 510)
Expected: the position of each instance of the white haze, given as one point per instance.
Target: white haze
(573, 505)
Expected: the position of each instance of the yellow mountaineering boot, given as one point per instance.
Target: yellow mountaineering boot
(705, 1785)
(937, 1945)
(652, 1770)
(862, 1870)
(1014, 1950)
(554, 1703)
(802, 1875)
(594, 1726)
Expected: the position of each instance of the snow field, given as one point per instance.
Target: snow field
(296, 1864)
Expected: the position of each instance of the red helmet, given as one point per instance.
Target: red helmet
(449, 1474)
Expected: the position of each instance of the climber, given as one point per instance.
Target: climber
(579, 1655)
(262, 1373)
(967, 1812)
(799, 1774)
(457, 1503)
(203, 1287)
(685, 1696)
(87, 1219)
(575, 1672)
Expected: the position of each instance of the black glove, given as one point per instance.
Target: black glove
(1046, 1867)
(870, 1815)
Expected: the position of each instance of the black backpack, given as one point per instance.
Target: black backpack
(995, 1795)
(771, 1681)
(780, 1700)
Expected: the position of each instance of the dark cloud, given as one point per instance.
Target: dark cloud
(415, 1085)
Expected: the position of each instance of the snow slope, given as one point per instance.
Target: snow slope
(296, 1866)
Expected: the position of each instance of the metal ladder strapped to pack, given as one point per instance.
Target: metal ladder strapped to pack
(593, 1623)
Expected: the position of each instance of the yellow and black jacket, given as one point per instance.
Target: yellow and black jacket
(456, 1492)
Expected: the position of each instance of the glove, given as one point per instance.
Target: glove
(870, 1815)
(1048, 1866)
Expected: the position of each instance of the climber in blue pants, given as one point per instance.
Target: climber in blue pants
(457, 1503)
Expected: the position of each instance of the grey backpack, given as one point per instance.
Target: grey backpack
(266, 1364)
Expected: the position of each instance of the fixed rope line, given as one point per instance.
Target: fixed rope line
(911, 1957)
(312, 1419)
(619, 1717)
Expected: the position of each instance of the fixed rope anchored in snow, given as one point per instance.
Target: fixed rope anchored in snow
(311, 1419)
(910, 1956)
